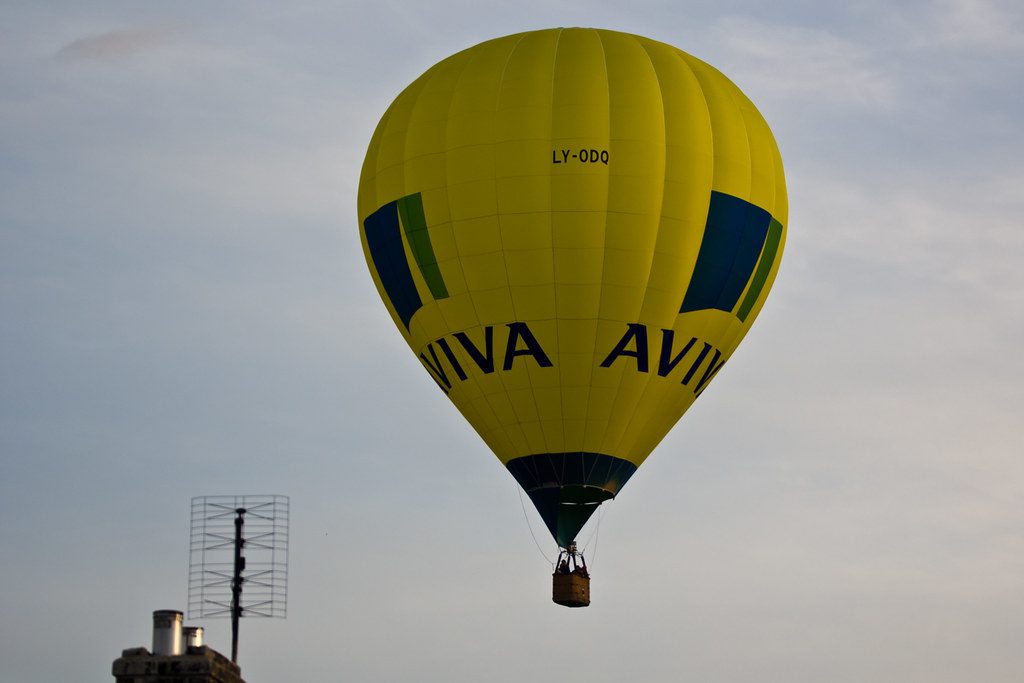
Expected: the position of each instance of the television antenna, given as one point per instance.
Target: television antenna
(237, 541)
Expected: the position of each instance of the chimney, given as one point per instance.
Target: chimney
(178, 656)
(167, 632)
(193, 636)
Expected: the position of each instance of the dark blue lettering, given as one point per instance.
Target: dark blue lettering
(637, 334)
(486, 363)
(665, 362)
(443, 343)
(436, 366)
(710, 372)
(519, 331)
(696, 364)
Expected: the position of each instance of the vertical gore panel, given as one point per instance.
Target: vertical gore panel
(764, 266)
(410, 209)
(385, 241)
(733, 236)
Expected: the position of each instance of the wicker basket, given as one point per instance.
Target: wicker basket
(571, 590)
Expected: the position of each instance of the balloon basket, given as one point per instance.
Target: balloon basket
(571, 590)
(570, 584)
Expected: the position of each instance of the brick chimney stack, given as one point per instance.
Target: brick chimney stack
(173, 660)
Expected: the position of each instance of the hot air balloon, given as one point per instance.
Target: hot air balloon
(573, 229)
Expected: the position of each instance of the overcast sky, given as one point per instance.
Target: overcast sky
(186, 311)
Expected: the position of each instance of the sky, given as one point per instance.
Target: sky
(186, 311)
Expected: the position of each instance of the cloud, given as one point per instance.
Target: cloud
(113, 45)
(804, 62)
(975, 24)
(968, 236)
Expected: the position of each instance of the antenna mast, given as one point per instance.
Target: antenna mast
(216, 579)
(236, 583)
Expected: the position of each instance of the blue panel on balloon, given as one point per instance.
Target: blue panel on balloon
(384, 237)
(733, 237)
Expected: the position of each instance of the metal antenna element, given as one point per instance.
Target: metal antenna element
(218, 566)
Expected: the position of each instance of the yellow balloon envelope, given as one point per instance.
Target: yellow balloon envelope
(573, 229)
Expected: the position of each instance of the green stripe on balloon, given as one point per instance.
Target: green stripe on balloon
(764, 266)
(410, 208)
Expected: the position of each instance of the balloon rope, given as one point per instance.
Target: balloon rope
(530, 527)
(595, 535)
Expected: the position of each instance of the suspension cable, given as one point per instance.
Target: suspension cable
(597, 537)
(530, 527)
(594, 536)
